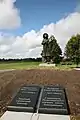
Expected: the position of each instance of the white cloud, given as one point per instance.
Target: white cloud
(9, 15)
(29, 45)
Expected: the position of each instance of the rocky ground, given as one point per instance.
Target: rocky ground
(11, 81)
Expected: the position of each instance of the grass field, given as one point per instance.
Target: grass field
(31, 65)
(18, 65)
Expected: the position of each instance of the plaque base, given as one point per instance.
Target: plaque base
(9, 115)
(76, 68)
(53, 117)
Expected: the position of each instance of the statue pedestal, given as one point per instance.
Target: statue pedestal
(77, 69)
(47, 65)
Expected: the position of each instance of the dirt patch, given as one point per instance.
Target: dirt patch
(10, 82)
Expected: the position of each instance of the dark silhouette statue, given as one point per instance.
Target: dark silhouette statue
(45, 53)
(48, 45)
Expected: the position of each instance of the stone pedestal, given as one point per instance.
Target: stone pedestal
(53, 117)
(47, 65)
(9, 115)
(77, 69)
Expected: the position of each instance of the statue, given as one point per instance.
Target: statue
(51, 48)
(51, 52)
(47, 52)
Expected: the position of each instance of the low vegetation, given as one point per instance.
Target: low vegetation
(33, 65)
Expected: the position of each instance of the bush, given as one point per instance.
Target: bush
(66, 63)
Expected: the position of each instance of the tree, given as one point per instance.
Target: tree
(55, 50)
(72, 49)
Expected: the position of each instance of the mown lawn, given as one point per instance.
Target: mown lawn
(18, 65)
(32, 65)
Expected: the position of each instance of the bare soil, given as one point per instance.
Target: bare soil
(11, 81)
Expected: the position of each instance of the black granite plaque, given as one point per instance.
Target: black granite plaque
(25, 100)
(53, 101)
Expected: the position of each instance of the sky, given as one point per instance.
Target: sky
(23, 22)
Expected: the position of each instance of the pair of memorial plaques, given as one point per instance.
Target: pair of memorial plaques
(46, 100)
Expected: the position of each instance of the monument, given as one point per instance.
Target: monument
(45, 53)
(51, 53)
(47, 100)
(38, 103)
(48, 53)
(53, 101)
(25, 100)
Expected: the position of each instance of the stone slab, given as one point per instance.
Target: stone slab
(35, 116)
(25, 100)
(10, 115)
(53, 117)
(53, 101)
(77, 69)
(47, 65)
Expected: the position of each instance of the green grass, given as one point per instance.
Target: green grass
(18, 65)
(32, 65)
(66, 67)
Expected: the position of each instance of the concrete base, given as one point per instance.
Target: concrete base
(9, 115)
(47, 65)
(53, 117)
(76, 68)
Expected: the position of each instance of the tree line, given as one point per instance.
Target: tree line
(22, 60)
(72, 49)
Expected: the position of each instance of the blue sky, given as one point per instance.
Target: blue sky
(37, 13)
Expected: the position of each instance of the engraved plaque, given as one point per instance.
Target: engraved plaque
(53, 101)
(25, 100)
